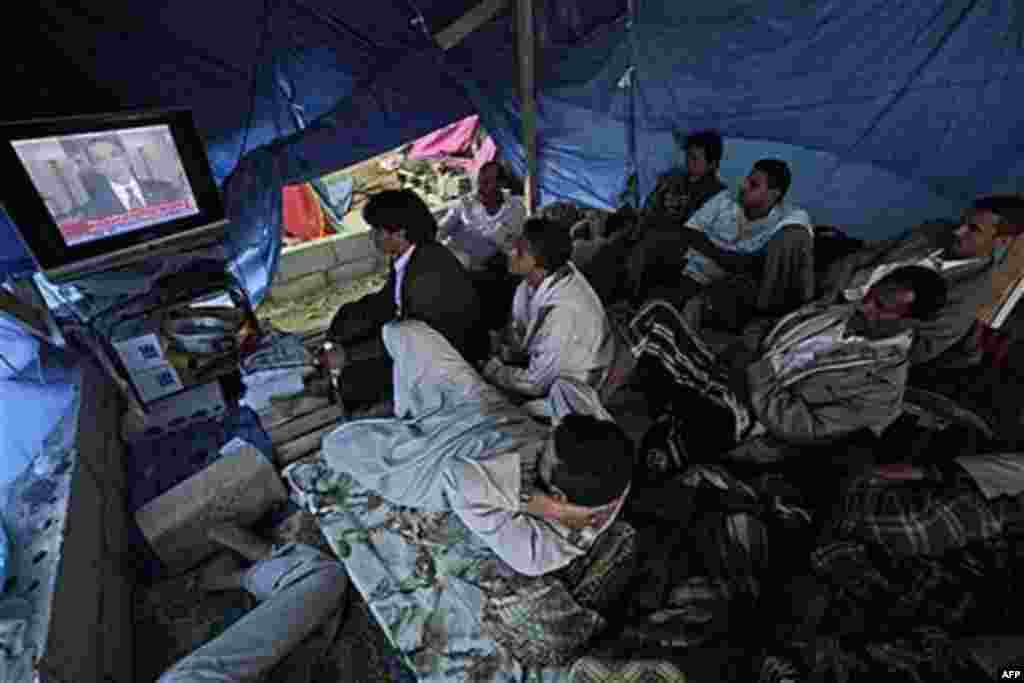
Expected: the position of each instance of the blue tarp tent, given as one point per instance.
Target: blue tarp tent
(889, 112)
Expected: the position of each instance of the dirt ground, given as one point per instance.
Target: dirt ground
(314, 311)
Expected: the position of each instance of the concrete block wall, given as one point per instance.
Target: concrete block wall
(307, 268)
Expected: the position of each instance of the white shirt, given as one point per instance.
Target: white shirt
(475, 235)
(723, 221)
(400, 263)
(122, 192)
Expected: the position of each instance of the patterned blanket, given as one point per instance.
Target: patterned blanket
(865, 615)
(453, 609)
(921, 518)
(660, 331)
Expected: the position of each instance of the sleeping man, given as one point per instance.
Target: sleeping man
(820, 374)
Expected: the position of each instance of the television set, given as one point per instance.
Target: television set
(101, 192)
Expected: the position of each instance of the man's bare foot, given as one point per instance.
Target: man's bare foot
(222, 573)
(242, 541)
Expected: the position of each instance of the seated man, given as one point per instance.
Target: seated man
(756, 236)
(821, 373)
(480, 230)
(112, 184)
(425, 282)
(965, 257)
(457, 443)
(298, 589)
(679, 191)
(678, 194)
(559, 327)
(484, 225)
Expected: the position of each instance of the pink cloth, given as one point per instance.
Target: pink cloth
(447, 141)
(454, 140)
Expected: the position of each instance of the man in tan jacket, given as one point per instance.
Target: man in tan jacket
(963, 253)
(819, 374)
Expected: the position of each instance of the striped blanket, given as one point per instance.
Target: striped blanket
(922, 518)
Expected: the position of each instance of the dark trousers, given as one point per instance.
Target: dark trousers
(367, 378)
(781, 275)
(497, 289)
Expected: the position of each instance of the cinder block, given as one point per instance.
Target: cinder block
(239, 487)
(353, 247)
(299, 287)
(347, 272)
(306, 258)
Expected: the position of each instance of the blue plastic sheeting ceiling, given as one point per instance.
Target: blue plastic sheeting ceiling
(889, 112)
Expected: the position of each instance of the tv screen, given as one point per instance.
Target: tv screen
(97, 185)
(95, 192)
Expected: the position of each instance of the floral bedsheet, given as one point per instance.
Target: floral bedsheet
(423, 574)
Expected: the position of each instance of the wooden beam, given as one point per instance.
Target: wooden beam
(527, 70)
(282, 411)
(452, 34)
(288, 453)
(289, 431)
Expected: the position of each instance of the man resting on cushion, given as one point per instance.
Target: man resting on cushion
(538, 497)
(966, 254)
(821, 373)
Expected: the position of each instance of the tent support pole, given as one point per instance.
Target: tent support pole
(476, 17)
(527, 65)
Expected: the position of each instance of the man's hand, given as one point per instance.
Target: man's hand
(899, 472)
(568, 514)
(491, 368)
